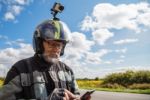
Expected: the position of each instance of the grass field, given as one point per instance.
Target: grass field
(1, 83)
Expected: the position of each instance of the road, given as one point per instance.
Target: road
(101, 95)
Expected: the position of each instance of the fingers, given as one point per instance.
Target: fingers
(69, 96)
(66, 96)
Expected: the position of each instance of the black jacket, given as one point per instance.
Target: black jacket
(33, 78)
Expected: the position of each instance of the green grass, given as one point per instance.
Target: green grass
(93, 84)
(139, 91)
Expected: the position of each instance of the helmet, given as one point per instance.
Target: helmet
(49, 30)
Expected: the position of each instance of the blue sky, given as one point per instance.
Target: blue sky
(106, 36)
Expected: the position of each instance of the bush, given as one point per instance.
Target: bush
(128, 78)
(96, 78)
(139, 86)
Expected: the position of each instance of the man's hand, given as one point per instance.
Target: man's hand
(69, 96)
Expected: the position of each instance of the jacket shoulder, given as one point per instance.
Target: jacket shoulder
(21, 65)
(18, 68)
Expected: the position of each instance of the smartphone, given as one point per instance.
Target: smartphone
(87, 94)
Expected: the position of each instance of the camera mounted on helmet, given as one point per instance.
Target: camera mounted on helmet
(57, 7)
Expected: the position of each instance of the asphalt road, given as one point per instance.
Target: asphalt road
(101, 95)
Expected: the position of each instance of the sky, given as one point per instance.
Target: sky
(105, 36)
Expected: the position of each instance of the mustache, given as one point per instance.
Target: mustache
(51, 58)
(55, 55)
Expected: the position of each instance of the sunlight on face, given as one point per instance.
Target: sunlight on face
(52, 50)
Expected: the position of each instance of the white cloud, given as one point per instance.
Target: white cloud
(9, 16)
(76, 51)
(138, 67)
(108, 70)
(19, 40)
(14, 8)
(108, 16)
(16, 42)
(93, 58)
(22, 2)
(3, 37)
(126, 41)
(82, 62)
(122, 56)
(14, 54)
(107, 62)
(13, 12)
(80, 42)
(102, 35)
(124, 50)
(87, 24)
(9, 56)
(119, 61)
(144, 19)
(78, 54)
(3, 70)
(96, 57)
(87, 72)
(78, 46)
(131, 67)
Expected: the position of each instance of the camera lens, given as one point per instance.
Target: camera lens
(61, 8)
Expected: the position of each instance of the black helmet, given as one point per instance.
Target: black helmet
(49, 30)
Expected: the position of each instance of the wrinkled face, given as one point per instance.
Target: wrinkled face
(52, 50)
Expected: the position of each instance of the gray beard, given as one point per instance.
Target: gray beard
(49, 59)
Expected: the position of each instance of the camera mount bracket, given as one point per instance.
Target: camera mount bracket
(57, 7)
